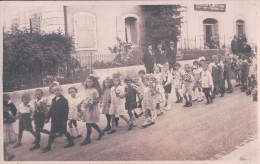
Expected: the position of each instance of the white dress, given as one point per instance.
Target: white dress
(73, 108)
(117, 106)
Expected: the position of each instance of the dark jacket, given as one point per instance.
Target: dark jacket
(171, 56)
(40, 111)
(227, 71)
(148, 60)
(12, 108)
(217, 73)
(246, 50)
(59, 115)
(234, 46)
(160, 57)
(239, 45)
(244, 69)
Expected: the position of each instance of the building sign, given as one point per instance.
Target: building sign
(210, 7)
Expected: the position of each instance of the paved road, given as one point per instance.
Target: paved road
(201, 132)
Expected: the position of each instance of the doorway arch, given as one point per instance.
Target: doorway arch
(211, 33)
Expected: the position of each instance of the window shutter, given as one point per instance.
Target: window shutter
(81, 37)
(90, 41)
(142, 28)
(120, 27)
(85, 31)
(134, 35)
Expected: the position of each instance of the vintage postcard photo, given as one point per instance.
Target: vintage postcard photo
(129, 81)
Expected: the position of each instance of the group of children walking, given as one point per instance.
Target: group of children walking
(147, 92)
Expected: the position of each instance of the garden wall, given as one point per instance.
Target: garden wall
(102, 73)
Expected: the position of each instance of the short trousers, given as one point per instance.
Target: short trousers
(168, 88)
(197, 84)
(39, 121)
(25, 122)
(206, 90)
(188, 89)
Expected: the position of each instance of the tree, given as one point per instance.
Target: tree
(33, 56)
(162, 23)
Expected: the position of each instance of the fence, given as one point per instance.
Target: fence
(203, 42)
(87, 60)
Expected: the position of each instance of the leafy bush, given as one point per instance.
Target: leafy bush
(33, 59)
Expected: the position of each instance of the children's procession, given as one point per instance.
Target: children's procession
(126, 99)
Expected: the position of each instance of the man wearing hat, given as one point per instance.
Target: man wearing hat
(171, 55)
(148, 59)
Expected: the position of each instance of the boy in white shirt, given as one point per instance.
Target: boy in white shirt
(197, 84)
(206, 83)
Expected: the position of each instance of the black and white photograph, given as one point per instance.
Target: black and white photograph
(129, 81)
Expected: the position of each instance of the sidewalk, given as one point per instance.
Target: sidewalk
(247, 152)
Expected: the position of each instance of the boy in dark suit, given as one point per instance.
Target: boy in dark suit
(40, 109)
(59, 114)
(10, 104)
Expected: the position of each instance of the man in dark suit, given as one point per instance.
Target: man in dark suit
(171, 55)
(234, 46)
(148, 59)
(59, 115)
(160, 55)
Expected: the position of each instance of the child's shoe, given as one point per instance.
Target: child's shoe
(11, 157)
(85, 142)
(207, 102)
(69, 145)
(100, 135)
(46, 149)
(130, 126)
(141, 114)
(112, 131)
(186, 104)
(107, 129)
(145, 125)
(17, 145)
(37, 146)
(181, 100)
(195, 100)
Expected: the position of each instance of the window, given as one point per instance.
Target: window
(15, 22)
(35, 22)
(131, 30)
(211, 35)
(85, 31)
(240, 28)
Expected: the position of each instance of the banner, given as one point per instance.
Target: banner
(210, 7)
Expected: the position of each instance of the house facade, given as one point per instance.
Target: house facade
(96, 27)
(203, 22)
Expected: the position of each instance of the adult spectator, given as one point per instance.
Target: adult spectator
(234, 46)
(148, 59)
(160, 55)
(171, 55)
(246, 49)
(239, 44)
